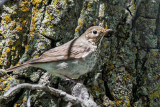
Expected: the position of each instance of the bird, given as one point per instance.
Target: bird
(72, 59)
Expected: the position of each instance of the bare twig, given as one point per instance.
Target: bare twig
(59, 93)
(79, 95)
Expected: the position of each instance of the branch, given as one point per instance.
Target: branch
(58, 93)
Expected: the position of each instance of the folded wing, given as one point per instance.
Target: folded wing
(70, 50)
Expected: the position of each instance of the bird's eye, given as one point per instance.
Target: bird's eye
(94, 32)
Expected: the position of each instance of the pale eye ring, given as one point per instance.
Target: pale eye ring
(94, 32)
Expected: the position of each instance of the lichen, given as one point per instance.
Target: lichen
(25, 6)
(7, 19)
(35, 2)
(19, 28)
(8, 50)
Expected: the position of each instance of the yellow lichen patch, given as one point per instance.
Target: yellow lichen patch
(51, 25)
(31, 34)
(21, 19)
(156, 77)
(0, 30)
(89, 5)
(19, 28)
(155, 94)
(13, 48)
(25, 6)
(41, 46)
(101, 81)
(101, 11)
(128, 103)
(8, 50)
(122, 27)
(10, 42)
(16, 105)
(95, 88)
(36, 56)
(106, 26)
(33, 24)
(121, 97)
(13, 23)
(7, 19)
(4, 83)
(81, 23)
(15, 13)
(53, 75)
(44, 1)
(118, 103)
(133, 8)
(11, 28)
(111, 66)
(1, 88)
(26, 47)
(24, 99)
(77, 29)
(147, 70)
(127, 78)
(24, 22)
(3, 55)
(55, 2)
(111, 102)
(106, 104)
(2, 21)
(58, 11)
(136, 36)
(0, 61)
(10, 78)
(7, 86)
(1, 80)
(155, 53)
(34, 2)
(94, 23)
(112, 93)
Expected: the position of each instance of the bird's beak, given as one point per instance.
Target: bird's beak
(108, 32)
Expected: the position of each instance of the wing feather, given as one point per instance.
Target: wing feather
(70, 50)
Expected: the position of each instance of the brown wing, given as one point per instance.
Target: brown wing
(70, 50)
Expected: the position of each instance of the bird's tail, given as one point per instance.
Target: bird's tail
(22, 66)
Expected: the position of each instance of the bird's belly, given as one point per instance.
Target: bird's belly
(71, 68)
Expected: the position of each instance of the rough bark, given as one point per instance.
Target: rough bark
(128, 73)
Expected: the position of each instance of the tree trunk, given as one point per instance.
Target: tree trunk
(128, 72)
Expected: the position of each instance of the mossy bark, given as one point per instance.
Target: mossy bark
(128, 72)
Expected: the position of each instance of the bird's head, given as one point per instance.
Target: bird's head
(95, 34)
